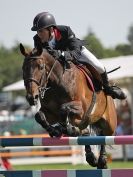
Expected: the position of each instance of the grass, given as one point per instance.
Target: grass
(112, 165)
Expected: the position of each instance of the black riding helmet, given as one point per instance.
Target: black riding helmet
(43, 20)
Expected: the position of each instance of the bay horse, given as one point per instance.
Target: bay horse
(68, 105)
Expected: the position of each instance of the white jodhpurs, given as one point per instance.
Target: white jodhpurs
(88, 57)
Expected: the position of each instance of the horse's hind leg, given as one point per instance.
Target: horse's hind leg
(102, 160)
(90, 157)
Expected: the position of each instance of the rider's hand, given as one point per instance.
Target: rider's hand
(65, 55)
(55, 53)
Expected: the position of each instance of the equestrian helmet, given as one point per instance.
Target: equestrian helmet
(43, 20)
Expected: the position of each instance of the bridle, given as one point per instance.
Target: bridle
(42, 89)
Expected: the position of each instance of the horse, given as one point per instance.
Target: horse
(69, 106)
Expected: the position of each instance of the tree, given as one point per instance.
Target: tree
(111, 52)
(94, 45)
(123, 49)
(10, 66)
(11, 61)
(130, 37)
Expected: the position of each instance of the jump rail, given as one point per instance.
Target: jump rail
(63, 141)
(40, 153)
(69, 173)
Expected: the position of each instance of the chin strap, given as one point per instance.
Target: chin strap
(50, 34)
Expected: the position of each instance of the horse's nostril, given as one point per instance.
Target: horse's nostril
(36, 96)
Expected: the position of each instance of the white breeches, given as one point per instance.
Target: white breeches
(88, 57)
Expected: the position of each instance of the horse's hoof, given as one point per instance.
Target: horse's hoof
(54, 131)
(91, 159)
(102, 167)
(102, 162)
(55, 134)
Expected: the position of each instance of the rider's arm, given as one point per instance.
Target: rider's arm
(73, 44)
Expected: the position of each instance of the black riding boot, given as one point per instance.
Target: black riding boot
(113, 91)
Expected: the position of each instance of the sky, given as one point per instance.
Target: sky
(108, 19)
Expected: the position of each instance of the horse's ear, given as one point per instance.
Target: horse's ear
(22, 50)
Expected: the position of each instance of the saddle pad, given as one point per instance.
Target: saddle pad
(87, 77)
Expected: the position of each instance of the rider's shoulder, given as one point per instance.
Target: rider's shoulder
(63, 27)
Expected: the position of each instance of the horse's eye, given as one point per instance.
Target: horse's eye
(41, 66)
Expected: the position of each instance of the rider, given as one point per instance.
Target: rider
(66, 46)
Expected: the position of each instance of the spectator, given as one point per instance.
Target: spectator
(6, 164)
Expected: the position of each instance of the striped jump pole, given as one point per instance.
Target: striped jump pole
(69, 173)
(64, 141)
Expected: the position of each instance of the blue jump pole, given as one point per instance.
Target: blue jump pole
(69, 173)
(63, 141)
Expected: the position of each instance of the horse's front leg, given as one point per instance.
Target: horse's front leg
(69, 112)
(54, 131)
(90, 157)
(102, 161)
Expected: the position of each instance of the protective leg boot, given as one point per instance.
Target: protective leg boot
(113, 91)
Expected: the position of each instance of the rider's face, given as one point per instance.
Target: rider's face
(43, 34)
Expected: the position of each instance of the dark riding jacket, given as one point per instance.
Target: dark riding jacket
(65, 40)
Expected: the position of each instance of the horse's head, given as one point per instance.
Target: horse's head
(34, 73)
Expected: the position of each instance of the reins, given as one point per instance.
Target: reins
(45, 88)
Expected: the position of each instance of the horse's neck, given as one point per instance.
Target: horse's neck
(62, 82)
(54, 68)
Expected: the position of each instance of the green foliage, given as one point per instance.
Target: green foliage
(109, 53)
(94, 45)
(11, 61)
(130, 37)
(124, 49)
(10, 66)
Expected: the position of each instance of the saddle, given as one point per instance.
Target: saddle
(93, 77)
